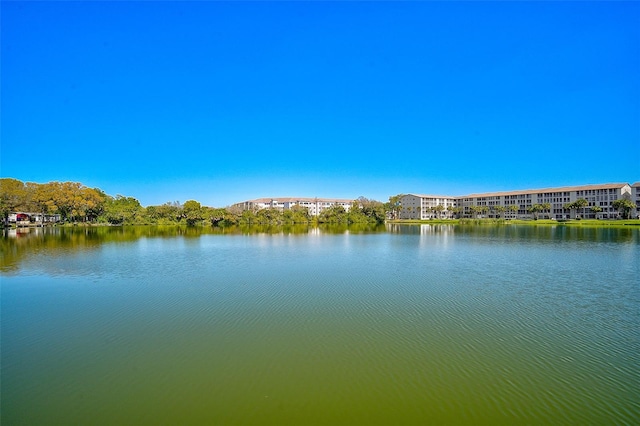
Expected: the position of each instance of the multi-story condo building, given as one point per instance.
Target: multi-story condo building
(417, 206)
(517, 204)
(635, 197)
(315, 205)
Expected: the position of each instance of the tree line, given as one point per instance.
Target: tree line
(76, 203)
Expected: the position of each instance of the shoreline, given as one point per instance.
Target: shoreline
(466, 222)
(541, 222)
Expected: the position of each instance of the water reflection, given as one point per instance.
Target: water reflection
(17, 244)
(416, 324)
(524, 232)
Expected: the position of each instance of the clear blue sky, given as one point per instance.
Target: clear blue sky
(226, 101)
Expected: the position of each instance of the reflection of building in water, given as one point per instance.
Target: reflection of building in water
(444, 230)
(315, 205)
(518, 204)
(18, 232)
(431, 235)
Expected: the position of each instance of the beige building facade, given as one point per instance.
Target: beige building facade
(517, 204)
(423, 207)
(635, 197)
(315, 205)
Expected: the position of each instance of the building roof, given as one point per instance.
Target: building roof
(635, 185)
(547, 190)
(296, 199)
(433, 196)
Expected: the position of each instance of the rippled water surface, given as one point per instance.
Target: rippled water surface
(399, 325)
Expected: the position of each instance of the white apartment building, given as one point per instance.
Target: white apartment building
(315, 205)
(417, 206)
(635, 197)
(601, 196)
(516, 204)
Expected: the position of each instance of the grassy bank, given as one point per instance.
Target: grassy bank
(539, 222)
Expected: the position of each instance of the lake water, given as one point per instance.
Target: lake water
(393, 325)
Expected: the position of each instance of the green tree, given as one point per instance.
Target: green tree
(596, 210)
(219, 217)
(535, 210)
(513, 208)
(334, 214)
(570, 207)
(192, 212)
(475, 210)
(373, 210)
(356, 213)
(438, 210)
(484, 210)
(38, 198)
(581, 203)
(300, 214)
(428, 210)
(546, 207)
(13, 195)
(624, 206)
(167, 213)
(492, 211)
(456, 211)
(123, 210)
(247, 217)
(500, 210)
(394, 206)
(74, 201)
(92, 205)
(269, 216)
(234, 214)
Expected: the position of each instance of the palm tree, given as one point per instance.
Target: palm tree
(581, 203)
(476, 209)
(484, 210)
(455, 210)
(596, 210)
(534, 209)
(439, 209)
(546, 207)
(492, 210)
(429, 210)
(447, 209)
(472, 211)
(395, 205)
(569, 206)
(625, 205)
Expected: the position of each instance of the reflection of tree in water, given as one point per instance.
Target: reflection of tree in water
(17, 244)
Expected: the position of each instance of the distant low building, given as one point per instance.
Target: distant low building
(315, 205)
(25, 218)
